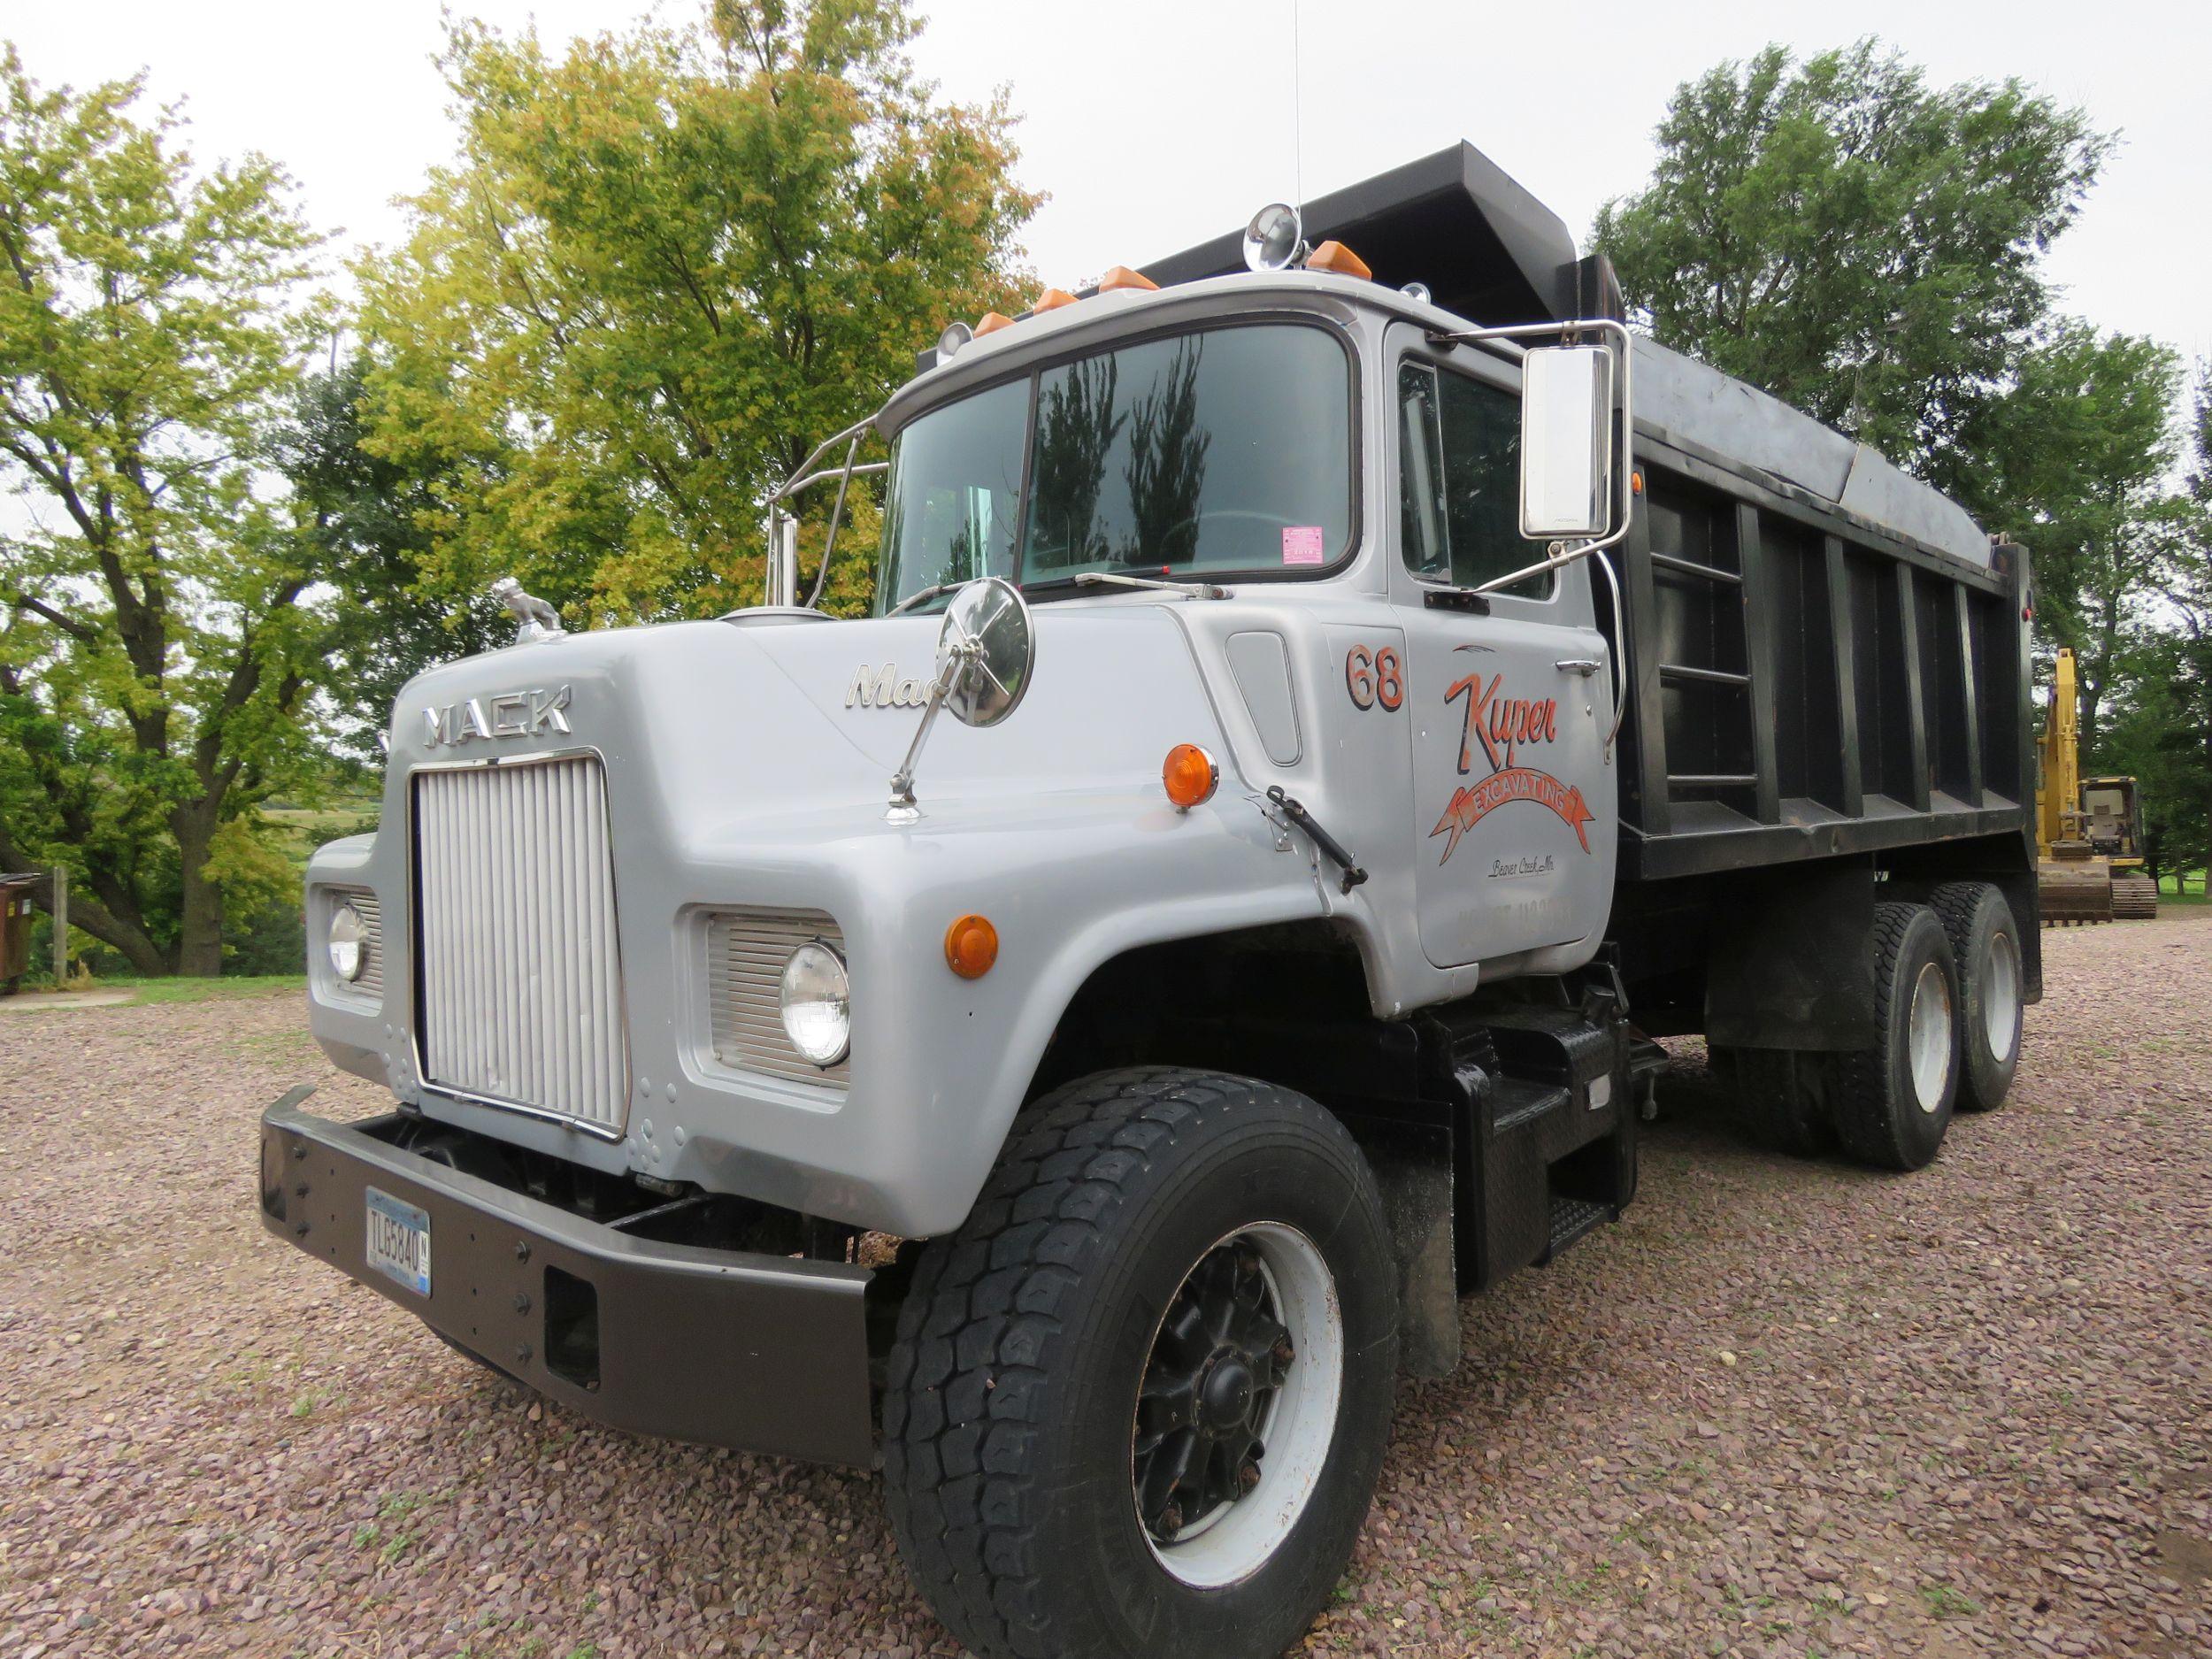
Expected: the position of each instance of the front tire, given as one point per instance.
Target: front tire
(1894, 1102)
(1985, 944)
(1138, 1403)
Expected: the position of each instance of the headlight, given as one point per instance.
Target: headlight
(348, 943)
(817, 1002)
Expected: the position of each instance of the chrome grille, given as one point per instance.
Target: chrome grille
(521, 976)
(371, 984)
(746, 951)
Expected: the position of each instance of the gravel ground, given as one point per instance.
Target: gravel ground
(1782, 1409)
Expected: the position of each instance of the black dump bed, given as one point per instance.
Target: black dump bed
(1827, 656)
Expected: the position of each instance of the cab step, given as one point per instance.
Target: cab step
(1570, 1218)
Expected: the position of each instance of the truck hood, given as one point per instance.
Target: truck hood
(768, 715)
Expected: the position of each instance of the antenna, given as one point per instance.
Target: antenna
(1297, 114)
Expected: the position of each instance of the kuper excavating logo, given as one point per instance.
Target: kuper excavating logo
(1502, 726)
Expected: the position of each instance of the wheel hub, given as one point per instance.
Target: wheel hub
(1215, 1369)
(1226, 1394)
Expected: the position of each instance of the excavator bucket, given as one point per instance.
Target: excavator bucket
(2075, 886)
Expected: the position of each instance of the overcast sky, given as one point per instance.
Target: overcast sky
(1154, 124)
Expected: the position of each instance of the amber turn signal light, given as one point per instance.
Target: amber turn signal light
(970, 946)
(1121, 277)
(1334, 256)
(1190, 776)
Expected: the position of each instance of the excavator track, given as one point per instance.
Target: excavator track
(2134, 898)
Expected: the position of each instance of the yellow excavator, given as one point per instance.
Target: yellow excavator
(2089, 831)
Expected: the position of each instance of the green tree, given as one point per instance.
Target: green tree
(366, 517)
(662, 267)
(2177, 683)
(2079, 459)
(1861, 244)
(156, 650)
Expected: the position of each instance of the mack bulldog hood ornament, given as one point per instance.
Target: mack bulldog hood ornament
(538, 620)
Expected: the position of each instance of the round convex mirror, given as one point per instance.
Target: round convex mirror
(1274, 237)
(986, 652)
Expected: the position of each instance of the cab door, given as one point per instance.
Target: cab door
(1513, 797)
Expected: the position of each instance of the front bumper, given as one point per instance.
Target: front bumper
(763, 1353)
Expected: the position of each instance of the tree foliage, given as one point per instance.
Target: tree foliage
(662, 267)
(1870, 248)
(365, 516)
(156, 648)
(1862, 245)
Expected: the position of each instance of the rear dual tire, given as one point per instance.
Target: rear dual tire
(1947, 990)
(1893, 1102)
(1985, 945)
(1169, 1273)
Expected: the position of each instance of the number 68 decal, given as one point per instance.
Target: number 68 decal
(1373, 677)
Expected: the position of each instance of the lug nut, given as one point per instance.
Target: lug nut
(1282, 1352)
(1248, 1476)
(1171, 1520)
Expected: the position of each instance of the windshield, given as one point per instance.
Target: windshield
(1227, 450)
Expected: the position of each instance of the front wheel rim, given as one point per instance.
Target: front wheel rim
(2001, 997)
(1236, 1408)
(1928, 1037)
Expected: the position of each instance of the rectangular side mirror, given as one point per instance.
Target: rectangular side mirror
(1566, 443)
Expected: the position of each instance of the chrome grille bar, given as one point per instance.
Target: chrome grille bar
(746, 951)
(371, 984)
(521, 974)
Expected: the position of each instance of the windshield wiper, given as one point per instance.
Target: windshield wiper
(1080, 578)
(1122, 579)
(927, 594)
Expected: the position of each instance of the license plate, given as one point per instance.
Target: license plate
(399, 1242)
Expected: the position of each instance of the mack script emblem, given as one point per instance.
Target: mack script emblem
(511, 714)
(1502, 725)
(886, 690)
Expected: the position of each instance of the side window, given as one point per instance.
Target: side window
(1459, 480)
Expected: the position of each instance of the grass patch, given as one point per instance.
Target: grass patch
(150, 993)
(1945, 1602)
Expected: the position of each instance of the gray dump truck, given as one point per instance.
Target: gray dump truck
(1334, 699)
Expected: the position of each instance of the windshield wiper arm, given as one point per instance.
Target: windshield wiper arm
(929, 593)
(1081, 579)
(1122, 579)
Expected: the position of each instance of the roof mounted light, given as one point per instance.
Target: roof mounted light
(1334, 256)
(948, 343)
(1417, 292)
(1275, 239)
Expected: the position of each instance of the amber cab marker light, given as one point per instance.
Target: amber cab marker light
(970, 946)
(1052, 300)
(1121, 277)
(991, 322)
(1190, 776)
(1334, 256)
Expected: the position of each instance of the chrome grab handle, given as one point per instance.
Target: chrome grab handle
(1584, 665)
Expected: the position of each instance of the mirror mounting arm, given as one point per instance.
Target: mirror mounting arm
(903, 808)
(1621, 344)
(1560, 554)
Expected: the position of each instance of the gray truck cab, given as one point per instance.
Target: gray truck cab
(1110, 1086)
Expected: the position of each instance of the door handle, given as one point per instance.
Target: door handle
(1584, 665)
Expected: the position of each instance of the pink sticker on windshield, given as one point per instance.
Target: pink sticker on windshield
(1302, 544)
